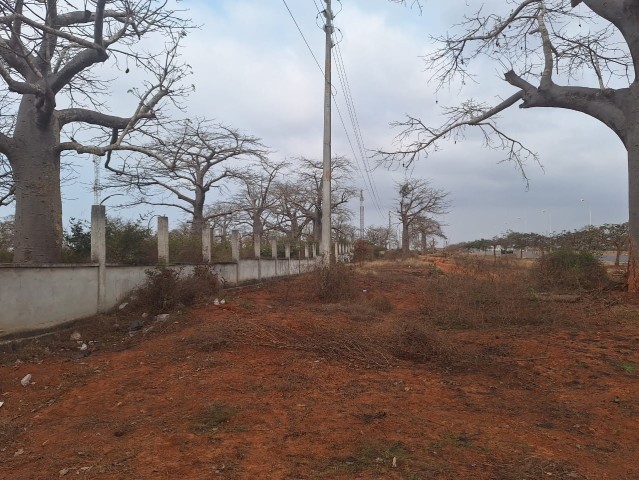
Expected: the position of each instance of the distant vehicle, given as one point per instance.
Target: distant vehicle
(507, 251)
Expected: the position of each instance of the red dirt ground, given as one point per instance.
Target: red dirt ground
(256, 389)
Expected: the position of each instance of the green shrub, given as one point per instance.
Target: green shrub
(184, 247)
(127, 242)
(6, 256)
(130, 243)
(567, 269)
(77, 242)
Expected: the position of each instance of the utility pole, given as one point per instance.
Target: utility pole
(389, 231)
(325, 245)
(361, 214)
(96, 180)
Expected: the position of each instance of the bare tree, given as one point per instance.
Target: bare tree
(381, 237)
(255, 202)
(222, 217)
(7, 234)
(310, 179)
(418, 201)
(290, 209)
(7, 186)
(342, 228)
(543, 46)
(615, 236)
(181, 169)
(49, 53)
(423, 229)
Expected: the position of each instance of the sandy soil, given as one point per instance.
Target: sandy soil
(257, 389)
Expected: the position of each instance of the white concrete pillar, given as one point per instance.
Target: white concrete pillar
(98, 234)
(206, 244)
(98, 250)
(336, 250)
(163, 240)
(314, 249)
(235, 245)
(306, 250)
(274, 248)
(287, 251)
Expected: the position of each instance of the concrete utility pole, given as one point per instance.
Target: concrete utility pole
(325, 245)
(361, 214)
(388, 241)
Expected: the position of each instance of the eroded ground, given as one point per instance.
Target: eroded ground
(274, 385)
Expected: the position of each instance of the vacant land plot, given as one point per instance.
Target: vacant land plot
(455, 371)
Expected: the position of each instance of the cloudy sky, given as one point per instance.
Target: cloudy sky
(253, 70)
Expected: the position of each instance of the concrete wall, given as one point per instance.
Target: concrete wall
(248, 270)
(227, 271)
(268, 268)
(283, 267)
(120, 281)
(34, 297)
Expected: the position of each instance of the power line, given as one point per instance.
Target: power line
(348, 138)
(355, 122)
(343, 77)
(303, 37)
(364, 174)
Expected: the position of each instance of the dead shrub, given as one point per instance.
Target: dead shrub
(335, 283)
(166, 288)
(492, 296)
(363, 251)
(570, 270)
(217, 336)
(380, 303)
(419, 341)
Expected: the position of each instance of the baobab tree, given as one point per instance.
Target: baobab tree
(255, 202)
(179, 168)
(7, 186)
(309, 177)
(543, 46)
(424, 228)
(417, 203)
(50, 51)
(290, 209)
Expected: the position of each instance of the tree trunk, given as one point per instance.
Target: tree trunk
(258, 230)
(198, 223)
(632, 145)
(317, 226)
(35, 162)
(405, 239)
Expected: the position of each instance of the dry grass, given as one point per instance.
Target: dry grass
(488, 294)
